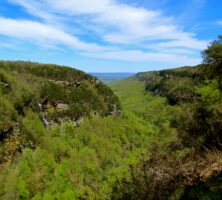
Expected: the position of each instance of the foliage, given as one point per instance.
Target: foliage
(162, 142)
(213, 54)
(175, 169)
(209, 190)
(213, 58)
(63, 161)
(163, 83)
(33, 83)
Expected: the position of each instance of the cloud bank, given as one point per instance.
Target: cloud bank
(104, 29)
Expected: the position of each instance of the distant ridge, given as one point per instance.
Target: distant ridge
(111, 77)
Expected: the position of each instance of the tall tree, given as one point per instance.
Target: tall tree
(213, 54)
(213, 57)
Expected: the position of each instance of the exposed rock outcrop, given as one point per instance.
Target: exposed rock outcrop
(75, 83)
(5, 85)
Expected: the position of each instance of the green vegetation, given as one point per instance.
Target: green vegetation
(63, 161)
(187, 166)
(65, 135)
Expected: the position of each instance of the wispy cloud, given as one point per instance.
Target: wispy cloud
(42, 34)
(190, 43)
(123, 30)
(35, 8)
(140, 56)
(219, 22)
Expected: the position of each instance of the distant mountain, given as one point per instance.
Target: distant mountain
(111, 77)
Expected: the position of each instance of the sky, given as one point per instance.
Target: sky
(109, 35)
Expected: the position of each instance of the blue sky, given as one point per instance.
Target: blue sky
(109, 35)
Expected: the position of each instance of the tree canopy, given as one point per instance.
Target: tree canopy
(213, 54)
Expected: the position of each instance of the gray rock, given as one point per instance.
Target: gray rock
(45, 122)
(5, 85)
(61, 106)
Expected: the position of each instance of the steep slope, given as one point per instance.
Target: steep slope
(50, 84)
(49, 93)
(185, 106)
(46, 151)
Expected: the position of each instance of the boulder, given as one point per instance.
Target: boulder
(61, 106)
(97, 82)
(77, 84)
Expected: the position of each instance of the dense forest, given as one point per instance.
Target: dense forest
(156, 135)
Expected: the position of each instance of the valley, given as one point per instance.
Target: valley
(155, 135)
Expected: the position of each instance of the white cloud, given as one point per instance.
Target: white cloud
(219, 22)
(121, 28)
(42, 33)
(186, 43)
(140, 56)
(7, 45)
(121, 23)
(77, 7)
(125, 24)
(35, 8)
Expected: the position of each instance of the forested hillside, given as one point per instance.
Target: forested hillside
(41, 108)
(186, 162)
(65, 135)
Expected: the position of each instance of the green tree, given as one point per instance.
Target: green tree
(213, 54)
(213, 57)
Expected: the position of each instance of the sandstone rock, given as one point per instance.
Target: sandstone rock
(61, 106)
